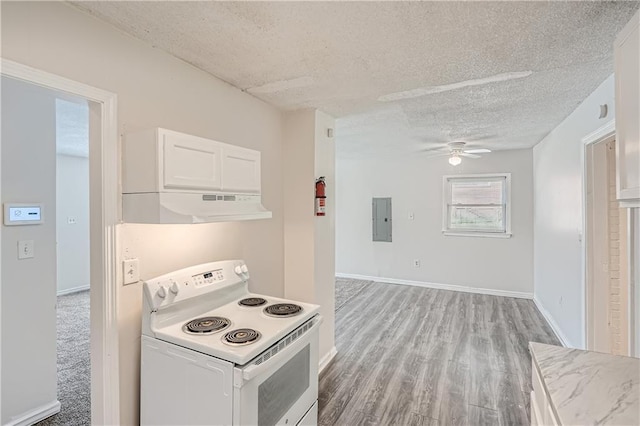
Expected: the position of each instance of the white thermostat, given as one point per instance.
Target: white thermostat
(23, 214)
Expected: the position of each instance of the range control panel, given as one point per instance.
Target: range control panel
(194, 281)
(208, 277)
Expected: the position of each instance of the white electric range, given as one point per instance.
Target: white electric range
(215, 354)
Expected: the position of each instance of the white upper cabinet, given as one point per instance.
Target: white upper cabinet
(160, 160)
(172, 177)
(241, 169)
(191, 162)
(627, 78)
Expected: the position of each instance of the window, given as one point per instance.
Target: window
(477, 205)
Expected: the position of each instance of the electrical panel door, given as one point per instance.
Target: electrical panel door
(382, 219)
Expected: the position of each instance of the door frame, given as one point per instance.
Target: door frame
(604, 134)
(633, 248)
(104, 218)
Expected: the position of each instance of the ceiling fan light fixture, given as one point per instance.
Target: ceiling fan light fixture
(454, 160)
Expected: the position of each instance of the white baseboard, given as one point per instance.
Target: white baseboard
(552, 323)
(452, 287)
(35, 415)
(72, 290)
(356, 277)
(327, 359)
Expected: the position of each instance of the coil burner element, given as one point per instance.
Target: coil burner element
(206, 325)
(241, 336)
(281, 310)
(252, 301)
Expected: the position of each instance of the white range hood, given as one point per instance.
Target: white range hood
(171, 177)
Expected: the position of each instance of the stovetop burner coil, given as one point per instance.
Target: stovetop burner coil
(252, 301)
(283, 310)
(241, 336)
(206, 325)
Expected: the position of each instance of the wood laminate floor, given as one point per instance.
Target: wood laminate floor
(417, 356)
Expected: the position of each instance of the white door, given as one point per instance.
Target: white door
(191, 162)
(241, 170)
(597, 241)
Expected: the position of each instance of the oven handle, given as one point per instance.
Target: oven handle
(253, 371)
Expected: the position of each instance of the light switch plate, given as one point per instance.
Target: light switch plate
(131, 271)
(26, 249)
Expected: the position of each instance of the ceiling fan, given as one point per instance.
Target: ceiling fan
(456, 151)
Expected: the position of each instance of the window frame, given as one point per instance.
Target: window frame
(446, 203)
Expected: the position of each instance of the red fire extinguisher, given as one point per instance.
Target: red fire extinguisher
(320, 197)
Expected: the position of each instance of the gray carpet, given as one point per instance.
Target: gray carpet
(74, 367)
(347, 289)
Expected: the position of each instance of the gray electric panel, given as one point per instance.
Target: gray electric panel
(382, 219)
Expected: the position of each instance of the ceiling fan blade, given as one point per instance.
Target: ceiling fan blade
(466, 154)
(477, 151)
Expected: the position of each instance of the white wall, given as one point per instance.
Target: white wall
(157, 90)
(558, 269)
(309, 239)
(635, 283)
(415, 185)
(325, 233)
(72, 201)
(28, 286)
(299, 157)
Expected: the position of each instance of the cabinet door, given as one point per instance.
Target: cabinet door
(191, 162)
(240, 169)
(627, 76)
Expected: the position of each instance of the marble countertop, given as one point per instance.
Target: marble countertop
(587, 388)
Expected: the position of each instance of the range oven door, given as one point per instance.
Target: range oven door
(282, 388)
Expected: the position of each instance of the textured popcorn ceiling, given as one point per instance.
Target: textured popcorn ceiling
(400, 76)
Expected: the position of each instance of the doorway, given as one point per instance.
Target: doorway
(72, 261)
(17, 402)
(605, 252)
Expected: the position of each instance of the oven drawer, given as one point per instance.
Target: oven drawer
(311, 418)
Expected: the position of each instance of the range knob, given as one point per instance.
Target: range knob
(238, 270)
(174, 288)
(244, 269)
(162, 292)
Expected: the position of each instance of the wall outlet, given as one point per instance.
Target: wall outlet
(131, 271)
(416, 263)
(26, 249)
(71, 220)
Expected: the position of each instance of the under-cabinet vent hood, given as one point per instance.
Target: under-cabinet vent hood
(171, 177)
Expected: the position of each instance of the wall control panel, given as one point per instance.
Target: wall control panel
(23, 214)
